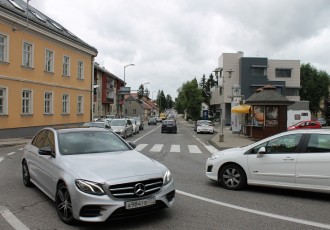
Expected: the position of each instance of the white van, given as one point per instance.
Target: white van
(295, 116)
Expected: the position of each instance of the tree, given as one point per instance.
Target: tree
(169, 101)
(190, 98)
(161, 100)
(141, 91)
(314, 86)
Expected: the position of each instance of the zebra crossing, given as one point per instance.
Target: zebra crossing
(176, 148)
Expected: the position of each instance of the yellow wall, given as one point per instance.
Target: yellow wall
(15, 78)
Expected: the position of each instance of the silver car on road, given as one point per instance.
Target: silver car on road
(94, 175)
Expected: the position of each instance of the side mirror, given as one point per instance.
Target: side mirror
(46, 151)
(107, 126)
(133, 145)
(261, 151)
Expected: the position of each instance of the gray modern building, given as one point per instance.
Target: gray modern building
(239, 77)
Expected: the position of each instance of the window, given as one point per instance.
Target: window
(26, 102)
(3, 101)
(271, 116)
(3, 48)
(258, 71)
(65, 104)
(66, 66)
(284, 144)
(48, 106)
(80, 105)
(27, 55)
(49, 61)
(283, 72)
(319, 143)
(80, 70)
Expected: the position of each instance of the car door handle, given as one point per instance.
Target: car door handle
(288, 159)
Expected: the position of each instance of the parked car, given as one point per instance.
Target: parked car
(122, 127)
(169, 126)
(196, 124)
(158, 119)
(305, 125)
(321, 120)
(297, 159)
(93, 175)
(205, 126)
(135, 126)
(152, 121)
(100, 124)
(139, 122)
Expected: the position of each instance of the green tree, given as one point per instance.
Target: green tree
(169, 101)
(161, 100)
(314, 86)
(190, 98)
(141, 91)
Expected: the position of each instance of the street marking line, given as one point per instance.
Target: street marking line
(12, 219)
(140, 147)
(1, 158)
(8, 154)
(156, 148)
(194, 149)
(20, 149)
(275, 216)
(175, 149)
(146, 134)
(208, 147)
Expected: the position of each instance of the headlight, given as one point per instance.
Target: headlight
(90, 187)
(213, 157)
(167, 177)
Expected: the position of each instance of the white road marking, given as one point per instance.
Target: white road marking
(146, 134)
(275, 216)
(140, 147)
(156, 148)
(211, 149)
(11, 219)
(20, 149)
(8, 154)
(194, 149)
(1, 158)
(175, 149)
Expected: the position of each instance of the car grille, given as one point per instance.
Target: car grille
(127, 190)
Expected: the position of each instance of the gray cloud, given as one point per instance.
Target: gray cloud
(174, 41)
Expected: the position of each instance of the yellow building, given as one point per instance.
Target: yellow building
(46, 72)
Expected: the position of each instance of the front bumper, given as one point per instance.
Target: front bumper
(91, 208)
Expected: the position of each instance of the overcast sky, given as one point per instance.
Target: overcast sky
(173, 41)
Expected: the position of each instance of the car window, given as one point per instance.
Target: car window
(319, 143)
(117, 123)
(284, 144)
(39, 139)
(50, 141)
(90, 142)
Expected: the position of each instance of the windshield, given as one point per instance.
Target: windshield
(117, 123)
(90, 142)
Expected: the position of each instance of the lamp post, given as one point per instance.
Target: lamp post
(125, 71)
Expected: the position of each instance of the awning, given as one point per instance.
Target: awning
(241, 109)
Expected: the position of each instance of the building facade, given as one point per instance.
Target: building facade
(106, 99)
(239, 77)
(45, 72)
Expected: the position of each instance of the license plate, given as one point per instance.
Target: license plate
(140, 203)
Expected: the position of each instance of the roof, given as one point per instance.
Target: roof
(23, 11)
(104, 70)
(267, 95)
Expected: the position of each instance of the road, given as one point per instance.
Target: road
(200, 203)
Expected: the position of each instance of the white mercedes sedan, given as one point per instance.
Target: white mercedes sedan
(298, 159)
(93, 175)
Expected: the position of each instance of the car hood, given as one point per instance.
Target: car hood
(231, 152)
(100, 167)
(114, 128)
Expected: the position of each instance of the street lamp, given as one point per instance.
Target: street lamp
(125, 71)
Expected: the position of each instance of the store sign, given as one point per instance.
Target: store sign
(125, 90)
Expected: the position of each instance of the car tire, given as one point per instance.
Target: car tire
(232, 177)
(64, 204)
(26, 175)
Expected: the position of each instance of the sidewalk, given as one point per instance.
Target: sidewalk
(14, 141)
(230, 140)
